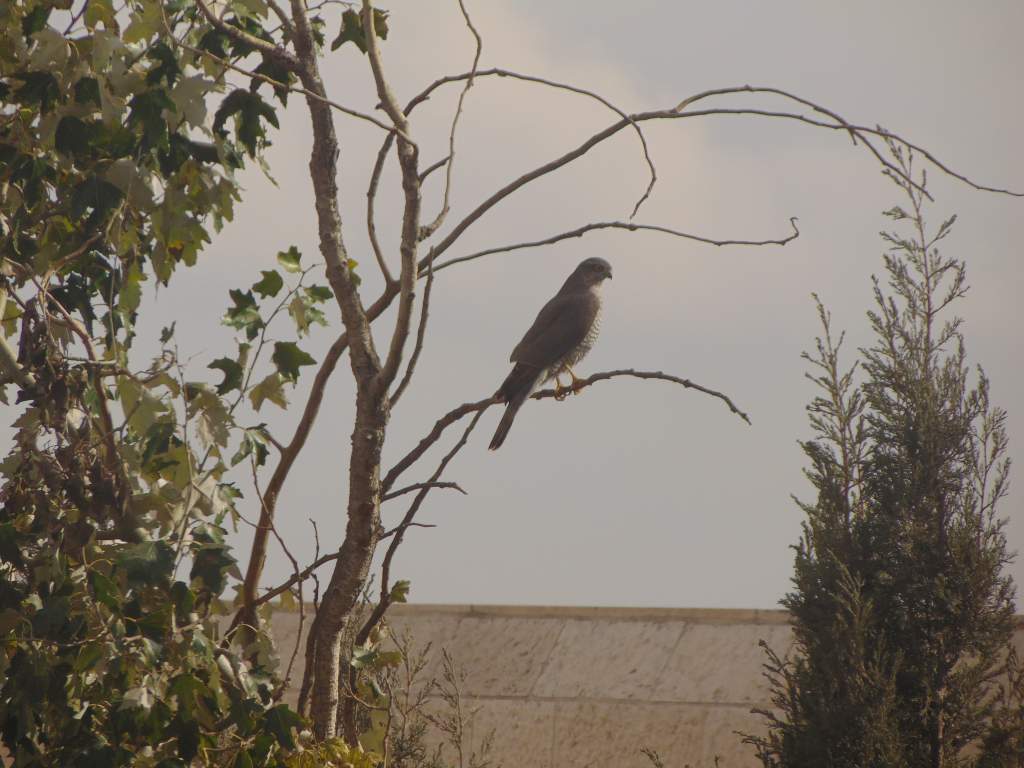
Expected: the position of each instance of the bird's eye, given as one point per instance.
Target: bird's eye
(596, 267)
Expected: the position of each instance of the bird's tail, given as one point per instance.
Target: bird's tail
(516, 388)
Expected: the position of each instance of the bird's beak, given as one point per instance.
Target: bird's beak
(609, 274)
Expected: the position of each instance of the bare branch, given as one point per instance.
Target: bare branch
(429, 229)
(371, 200)
(499, 72)
(633, 373)
(627, 225)
(856, 132)
(385, 587)
(283, 17)
(431, 168)
(671, 114)
(393, 531)
(258, 552)
(418, 486)
(480, 406)
(432, 437)
(302, 575)
(295, 570)
(421, 333)
(408, 161)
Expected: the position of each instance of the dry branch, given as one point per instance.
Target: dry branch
(626, 225)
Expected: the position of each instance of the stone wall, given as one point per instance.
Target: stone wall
(575, 687)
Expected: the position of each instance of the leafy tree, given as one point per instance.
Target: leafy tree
(902, 612)
(121, 130)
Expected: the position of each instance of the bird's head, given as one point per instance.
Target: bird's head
(593, 271)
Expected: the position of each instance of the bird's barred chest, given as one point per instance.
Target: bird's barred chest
(581, 350)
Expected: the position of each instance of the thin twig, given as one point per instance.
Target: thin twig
(396, 536)
(431, 168)
(371, 199)
(280, 84)
(627, 225)
(408, 162)
(418, 486)
(429, 229)
(295, 571)
(480, 406)
(421, 332)
(499, 72)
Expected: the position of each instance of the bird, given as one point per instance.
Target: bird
(564, 331)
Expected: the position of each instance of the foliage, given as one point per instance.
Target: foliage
(901, 610)
(117, 162)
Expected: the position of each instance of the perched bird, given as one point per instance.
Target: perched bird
(562, 334)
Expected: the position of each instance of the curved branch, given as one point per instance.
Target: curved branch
(855, 132)
(429, 229)
(859, 131)
(479, 406)
(633, 373)
(258, 552)
(371, 200)
(399, 532)
(421, 333)
(419, 486)
(499, 72)
(408, 161)
(627, 225)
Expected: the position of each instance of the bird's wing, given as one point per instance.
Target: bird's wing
(560, 327)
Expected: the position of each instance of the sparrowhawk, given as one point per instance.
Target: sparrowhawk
(564, 331)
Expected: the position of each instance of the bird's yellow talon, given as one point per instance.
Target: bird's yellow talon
(577, 383)
(560, 392)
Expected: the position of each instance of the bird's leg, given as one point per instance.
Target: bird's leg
(560, 392)
(577, 382)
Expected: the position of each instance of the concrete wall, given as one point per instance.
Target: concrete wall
(568, 687)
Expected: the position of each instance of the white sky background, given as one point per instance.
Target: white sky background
(640, 493)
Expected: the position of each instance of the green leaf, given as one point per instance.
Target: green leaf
(147, 111)
(141, 697)
(149, 562)
(35, 20)
(95, 193)
(51, 619)
(289, 259)
(279, 721)
(88, 89)
(352, 28)
(255, 441)
(245, 314)
(166, 64)
(248, 109)
(320, 293)
(304, 314)
(72, 136)
(141, 407)
(130, 295)
(233, 370)
(37, 88)
(272, 389)
(289, 358)
(400, 592)
(211, 562)
(210, 413)
(271, 283)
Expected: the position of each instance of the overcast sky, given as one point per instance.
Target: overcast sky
(642, 493)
